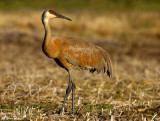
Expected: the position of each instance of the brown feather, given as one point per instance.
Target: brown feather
(73, 53)
(81, 54)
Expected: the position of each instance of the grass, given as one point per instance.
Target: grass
(32, 87)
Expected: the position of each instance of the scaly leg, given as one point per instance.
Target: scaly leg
(73, 90)
(71, 86)
(67, 93)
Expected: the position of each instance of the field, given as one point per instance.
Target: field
(32, 86)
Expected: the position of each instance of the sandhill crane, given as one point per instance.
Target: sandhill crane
(70, 53)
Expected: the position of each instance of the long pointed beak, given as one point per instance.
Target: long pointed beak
(60, 16)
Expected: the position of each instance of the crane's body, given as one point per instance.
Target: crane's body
(70, 53)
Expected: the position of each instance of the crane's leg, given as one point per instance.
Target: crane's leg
(67, 93)
(73, 87)
(73, 90)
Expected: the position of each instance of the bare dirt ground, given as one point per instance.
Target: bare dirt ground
(32, 86)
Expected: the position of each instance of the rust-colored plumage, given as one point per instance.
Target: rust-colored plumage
(71, 53)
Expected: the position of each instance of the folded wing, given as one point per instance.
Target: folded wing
(90, 57)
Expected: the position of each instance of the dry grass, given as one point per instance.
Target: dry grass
(32, 87)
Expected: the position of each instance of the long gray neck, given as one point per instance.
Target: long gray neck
(47, 36)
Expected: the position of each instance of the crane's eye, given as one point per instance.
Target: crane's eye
(51, 11)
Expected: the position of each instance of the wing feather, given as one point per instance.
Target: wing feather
(85, 55)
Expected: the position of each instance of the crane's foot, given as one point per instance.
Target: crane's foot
(61, 111)
(73, 113)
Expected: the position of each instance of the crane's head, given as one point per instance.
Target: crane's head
(48, 14)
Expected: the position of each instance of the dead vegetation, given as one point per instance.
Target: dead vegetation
(32, 87)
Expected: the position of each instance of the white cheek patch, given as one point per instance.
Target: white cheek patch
(46, 20)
